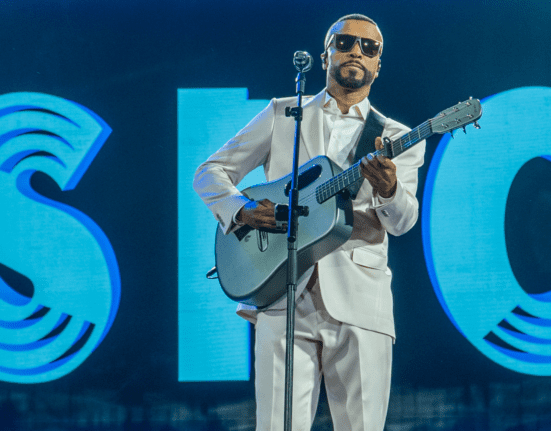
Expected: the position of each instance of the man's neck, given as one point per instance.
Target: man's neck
(347, 98)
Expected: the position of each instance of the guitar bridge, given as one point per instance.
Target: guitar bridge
(242, 232)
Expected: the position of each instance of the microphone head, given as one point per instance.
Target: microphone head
(303, 61)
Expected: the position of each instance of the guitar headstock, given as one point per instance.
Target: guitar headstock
(457, 116)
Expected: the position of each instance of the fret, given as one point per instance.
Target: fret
(409, 139)
(338, 183)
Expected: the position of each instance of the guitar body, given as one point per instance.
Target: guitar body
(252, 264)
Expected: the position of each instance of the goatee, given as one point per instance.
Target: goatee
(352, 81)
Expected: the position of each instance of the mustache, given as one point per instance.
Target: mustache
(354, 63)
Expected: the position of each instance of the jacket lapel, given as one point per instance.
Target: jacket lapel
(311, 131)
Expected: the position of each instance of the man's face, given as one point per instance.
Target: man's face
(352, 69)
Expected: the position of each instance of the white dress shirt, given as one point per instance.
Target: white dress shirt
(342, 131)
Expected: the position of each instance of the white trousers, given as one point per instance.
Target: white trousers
(356, 364)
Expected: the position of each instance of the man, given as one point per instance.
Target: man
(344, 321)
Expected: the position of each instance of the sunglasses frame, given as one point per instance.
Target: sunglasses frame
(361, 39)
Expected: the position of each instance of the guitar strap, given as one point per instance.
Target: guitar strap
(374, 125)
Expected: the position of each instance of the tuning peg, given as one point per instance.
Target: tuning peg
(476, 125)
(464, 130)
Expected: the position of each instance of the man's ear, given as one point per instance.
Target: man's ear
(324, 60)
(378, 69)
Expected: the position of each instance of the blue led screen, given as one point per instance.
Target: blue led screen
(206, 318)
(142, 92)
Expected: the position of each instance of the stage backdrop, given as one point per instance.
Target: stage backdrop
(108, 107)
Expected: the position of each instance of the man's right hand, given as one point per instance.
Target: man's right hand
(258, 215)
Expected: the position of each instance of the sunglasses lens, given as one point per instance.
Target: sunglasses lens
(344, 42)
(370, 47)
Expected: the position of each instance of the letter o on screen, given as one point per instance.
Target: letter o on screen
(463, 221)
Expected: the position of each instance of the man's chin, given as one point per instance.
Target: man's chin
(351, 81)
(352, 84)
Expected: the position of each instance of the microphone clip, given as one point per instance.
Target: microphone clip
(295, 112)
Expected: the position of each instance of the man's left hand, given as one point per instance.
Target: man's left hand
(380, 172)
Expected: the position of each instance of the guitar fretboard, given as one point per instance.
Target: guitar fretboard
(348, 177)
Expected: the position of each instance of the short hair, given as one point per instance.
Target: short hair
(351, 17)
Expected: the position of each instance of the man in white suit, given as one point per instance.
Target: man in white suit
(344, 317)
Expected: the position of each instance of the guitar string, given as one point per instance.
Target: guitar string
(403, 142)
(345, 175)
(336, 184)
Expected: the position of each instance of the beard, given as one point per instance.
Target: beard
(352, 81)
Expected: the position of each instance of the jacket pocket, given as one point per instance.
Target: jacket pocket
(370, 259)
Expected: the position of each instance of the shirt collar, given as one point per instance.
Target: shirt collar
(360, 109)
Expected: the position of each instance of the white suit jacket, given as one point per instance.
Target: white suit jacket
(354, 279)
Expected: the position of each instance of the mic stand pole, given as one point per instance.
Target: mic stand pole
(292, 275)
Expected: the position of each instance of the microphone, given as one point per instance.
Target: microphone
(303, 61)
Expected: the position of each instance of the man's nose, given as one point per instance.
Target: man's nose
(356, 49)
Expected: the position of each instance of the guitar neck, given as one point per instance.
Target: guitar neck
(391, 149)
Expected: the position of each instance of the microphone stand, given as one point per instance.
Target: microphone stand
(292, 232)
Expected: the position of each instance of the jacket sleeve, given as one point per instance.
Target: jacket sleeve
(399, 214)
(216, 179)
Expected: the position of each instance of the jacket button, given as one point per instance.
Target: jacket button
(385, 213)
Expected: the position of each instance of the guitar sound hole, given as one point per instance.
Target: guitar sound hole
(305, 178)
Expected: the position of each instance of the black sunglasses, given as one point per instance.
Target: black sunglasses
(345, 42)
